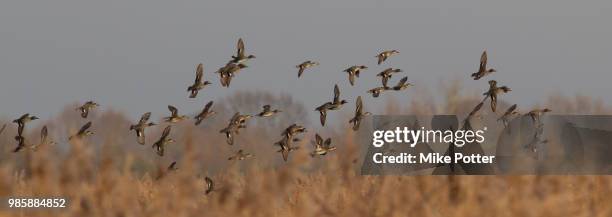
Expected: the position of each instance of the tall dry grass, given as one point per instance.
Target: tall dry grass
(111, 175)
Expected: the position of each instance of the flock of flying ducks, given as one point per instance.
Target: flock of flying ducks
(291, 134)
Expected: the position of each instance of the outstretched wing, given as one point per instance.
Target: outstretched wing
(483, 62)
(84, 128)
(173, 110)
(207, 106)
(402, 82)
(240, 48)
(172, 166)
(476, 109)
(301, 67)
(327, 143)
(199, 73)
(359, 106)
(323, 116)
(385, 80)
(166, 132)
(381, 58)
(144, 118)
(266, 108)
(336, 93)
(318, 140)
(2, 129)
(43, 134)
(510, 110)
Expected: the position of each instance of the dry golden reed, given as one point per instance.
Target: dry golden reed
(111, 175)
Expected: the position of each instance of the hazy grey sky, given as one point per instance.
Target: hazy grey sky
(140, 55)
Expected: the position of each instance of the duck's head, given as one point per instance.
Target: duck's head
(151, 124)
(367, 113)
(397, 70)
(493, 82)
(492, 70)
(251, 57)
(34, 118)
(88, 133)
(363, 67)
(546, 110)
(394, 51)
(207, 82)
(170, 141)
(343, 102)
(242, 66)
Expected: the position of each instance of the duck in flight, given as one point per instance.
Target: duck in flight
(493, 92)
(387, 74)
(335, 104)
(83, 132)
(359, 114)
(510, 112)
(353, 72)
(22, 121)
(268, 111)
(240, 57)
(174, 115)
(382, 56)
(160, 145)
(322, 147)
(378, 90)
(303, 66)
(227, 72)
(402, 84)
(198, 84)
(88, 106)
(482, 70)
(240, 155)
(205, 113)
(140, 127)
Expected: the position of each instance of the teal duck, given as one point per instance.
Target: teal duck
(536, 114)
(322, 147)
(387, 74)
(402, 84)
(353, 72)
(240, 155)
(505, 118)
(482, 70)
(303, 66)
(83, 132)
(163, 141)
(206, 112)
(44, 139)
(198, 84)
(493, 92)
(385, 54)
(174, 115)
(359, 114)
(378, 90)
(22, 121)
(240, 57)
(141, 126)
(268, 111)
(85, 108)
(227, 72)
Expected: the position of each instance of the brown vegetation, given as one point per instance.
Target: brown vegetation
(111, 175)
